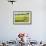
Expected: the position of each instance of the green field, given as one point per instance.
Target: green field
(22, 18)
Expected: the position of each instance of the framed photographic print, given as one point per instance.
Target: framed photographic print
(22, 17)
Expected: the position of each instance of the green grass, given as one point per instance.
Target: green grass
(21, 18)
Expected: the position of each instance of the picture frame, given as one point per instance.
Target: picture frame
(22, 17)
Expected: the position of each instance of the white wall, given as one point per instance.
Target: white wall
(9, 31)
